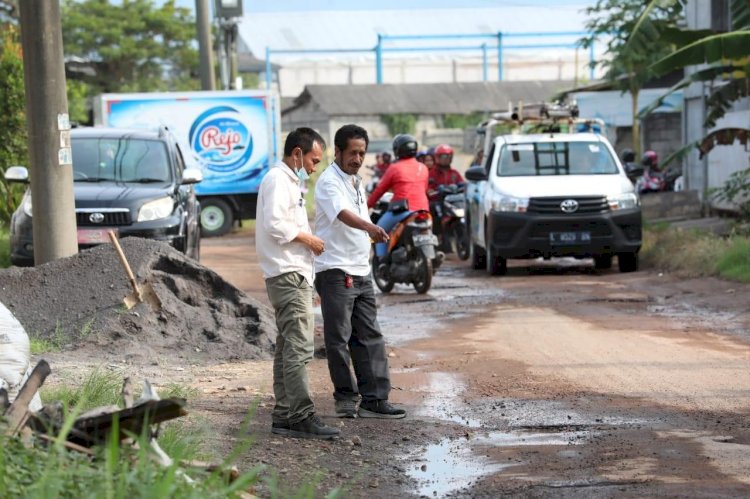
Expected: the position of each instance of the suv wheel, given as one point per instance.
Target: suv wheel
(627, 262)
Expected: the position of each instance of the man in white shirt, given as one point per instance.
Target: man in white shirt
(286, 247)
(344, 283)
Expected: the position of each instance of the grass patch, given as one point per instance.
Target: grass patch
(4, 247)
(41, 345)
(696, 253)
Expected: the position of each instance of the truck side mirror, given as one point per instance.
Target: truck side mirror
(18, 174)
(476, 174)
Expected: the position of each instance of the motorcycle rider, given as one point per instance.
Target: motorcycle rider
(653, 179)
(441, 174)
(408, 179)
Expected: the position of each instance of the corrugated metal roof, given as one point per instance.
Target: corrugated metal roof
(427, 98)
(356, 29)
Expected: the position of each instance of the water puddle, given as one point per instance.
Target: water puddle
(453, 464)
(449, 466)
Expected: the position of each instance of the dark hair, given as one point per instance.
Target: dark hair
(347, 132)
(304, 138)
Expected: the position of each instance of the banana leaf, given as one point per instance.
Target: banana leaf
(732, 45)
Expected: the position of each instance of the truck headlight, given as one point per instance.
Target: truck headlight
(501, 202)
(623, 201)
(154, 210)
(26, 204)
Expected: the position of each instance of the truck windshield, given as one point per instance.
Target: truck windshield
(120, 159)
(555, 158)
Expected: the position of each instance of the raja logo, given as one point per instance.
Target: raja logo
(220, 138)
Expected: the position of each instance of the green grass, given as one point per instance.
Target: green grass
(695, 253)
(40, 346)
(734, 262)
(4, 247)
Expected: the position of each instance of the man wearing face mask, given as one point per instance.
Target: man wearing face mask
(286, 247)
(350, 324)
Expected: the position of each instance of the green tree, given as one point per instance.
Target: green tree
(400, 123)
(13, 149)
(612, 21)
(132, 45)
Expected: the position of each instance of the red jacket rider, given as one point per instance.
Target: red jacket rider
(442, 173)
(407, 178)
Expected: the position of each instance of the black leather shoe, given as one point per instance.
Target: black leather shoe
(380, 409)
(312, 427)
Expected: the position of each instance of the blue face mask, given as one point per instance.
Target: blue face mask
(301, 172)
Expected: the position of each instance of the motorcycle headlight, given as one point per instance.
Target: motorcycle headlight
(623, 201)
(501, 202)
(154, 210)
(26, 204)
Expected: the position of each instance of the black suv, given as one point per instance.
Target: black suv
(131, 181)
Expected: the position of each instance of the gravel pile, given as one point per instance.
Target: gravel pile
(76, 303)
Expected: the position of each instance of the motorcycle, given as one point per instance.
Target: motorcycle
(455, 234)
(412, 255)
(651, 181)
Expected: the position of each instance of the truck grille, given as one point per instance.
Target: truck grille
(551, 205)
(111, 218)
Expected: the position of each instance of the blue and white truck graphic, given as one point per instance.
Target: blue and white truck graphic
(233, 136)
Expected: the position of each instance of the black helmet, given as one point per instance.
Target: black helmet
(404, 146)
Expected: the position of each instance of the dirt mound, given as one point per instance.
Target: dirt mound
(76, 303)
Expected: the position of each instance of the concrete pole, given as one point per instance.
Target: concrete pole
(202, 19)
(50, 156)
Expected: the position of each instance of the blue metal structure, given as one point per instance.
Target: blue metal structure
(498, 38)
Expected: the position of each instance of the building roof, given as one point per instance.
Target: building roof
(425, 98)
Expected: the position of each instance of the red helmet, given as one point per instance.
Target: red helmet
(443, 149)
(650, 158)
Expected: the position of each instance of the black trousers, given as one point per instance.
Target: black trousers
(352, 337)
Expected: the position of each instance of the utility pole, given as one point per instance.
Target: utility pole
(50, 155)
(227, 13)
(202, 18)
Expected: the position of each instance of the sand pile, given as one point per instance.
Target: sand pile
(76, 303)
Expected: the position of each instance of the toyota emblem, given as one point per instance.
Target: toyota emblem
(569, 206)
(96, 218)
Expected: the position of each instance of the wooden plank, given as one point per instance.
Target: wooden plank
(18, 412)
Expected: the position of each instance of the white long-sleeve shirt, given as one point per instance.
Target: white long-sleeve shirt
(347, 249)
(279, 219)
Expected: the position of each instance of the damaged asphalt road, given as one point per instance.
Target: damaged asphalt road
(555, 380)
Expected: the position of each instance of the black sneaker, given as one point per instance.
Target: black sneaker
(346, 408)
(280, 428)
(312, 427)
(380, 409)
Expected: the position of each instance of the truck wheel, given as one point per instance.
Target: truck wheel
(477, 257)
(602, 262)
(216, 217)
(627, 262)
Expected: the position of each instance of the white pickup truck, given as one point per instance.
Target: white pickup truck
(551, 195)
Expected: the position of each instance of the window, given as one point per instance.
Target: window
(555, 158)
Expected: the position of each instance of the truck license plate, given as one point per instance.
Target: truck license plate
(562, 238)
(93, 236)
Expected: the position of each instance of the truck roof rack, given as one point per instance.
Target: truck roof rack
(544, 117)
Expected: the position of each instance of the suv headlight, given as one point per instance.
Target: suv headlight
(623, 201)
(501, 202)
(154, 210)
(26, 204)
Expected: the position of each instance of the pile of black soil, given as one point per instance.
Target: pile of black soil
(77, 303)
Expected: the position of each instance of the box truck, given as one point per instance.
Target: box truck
(233, 136)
